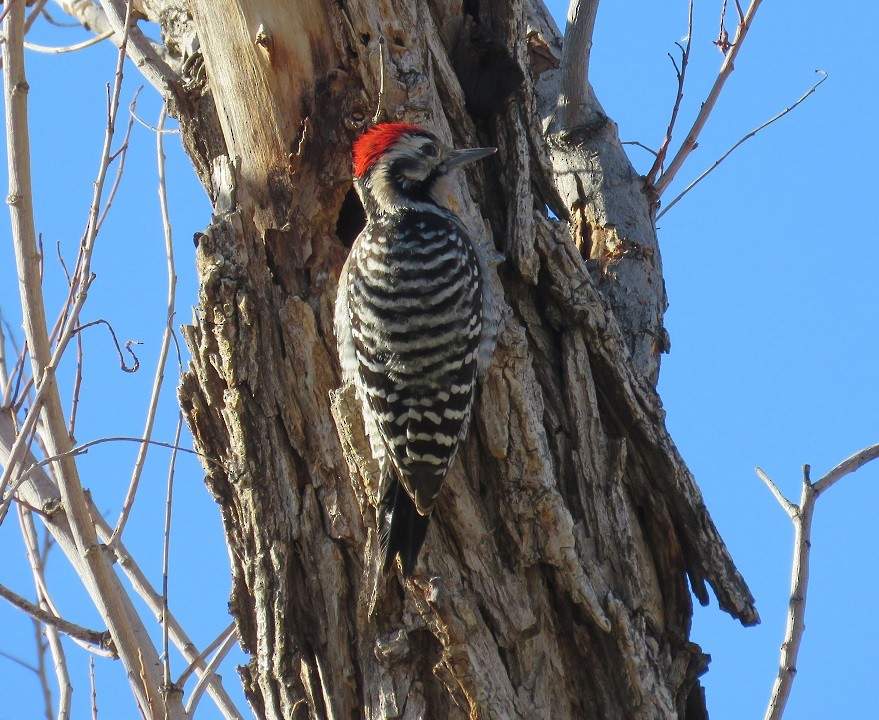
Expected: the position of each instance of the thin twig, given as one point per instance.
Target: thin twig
(640, 145)
(22, 215)
(786, 504)
(77, 378)
(159, 376)
(13, 383)
(166, 555)
(4, 369)
(77, 385)
(722, 42)
(681, 74)
(42, 669)
(81, 450)
(37, 559)
(19, 661)
(59, 661)
(133, 110)
(751, 134)
(94, 688)
(69, 48)
(57, 23)
(122, 154)
(84, 448)
(726, 68)
(91, 637)
(209, 672)
(221, 638)
(128, 344)
(36, 10)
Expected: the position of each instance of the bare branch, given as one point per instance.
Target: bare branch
(653, 152)
(91, 637)
(84, 448)
(4, 369)
(751, 134)
(19, 661)
(159, 376)
(13, 382)
(93, 688)
(132, 108)
(77, 385)
(41, 668)
(726, 68)
(44, 497)
(139, 49)
(576, 49)
(681, 74)
(37, 559)
(786, 504)
(846, 467)
(793, 635)
(209, 672)
(128, 344)
(221, 638)
(6, 501)
(153, 600)
(36, 10)
(166, 554)
(722, 42)
(122, 154)
(69, 48)
(59, 661)
(802, 516)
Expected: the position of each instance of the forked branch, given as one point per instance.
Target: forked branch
(802, 515)
(742, 141)
(681, 73)
(691, 141)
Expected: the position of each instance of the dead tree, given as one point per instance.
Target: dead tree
(554, 580)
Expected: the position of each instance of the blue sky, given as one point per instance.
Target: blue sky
(770, 266)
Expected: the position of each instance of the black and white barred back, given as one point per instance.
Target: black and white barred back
(410, 324)
(415, 306)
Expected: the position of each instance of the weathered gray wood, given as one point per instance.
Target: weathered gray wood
(553, 583)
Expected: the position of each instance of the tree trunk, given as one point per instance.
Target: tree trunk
(553, 583)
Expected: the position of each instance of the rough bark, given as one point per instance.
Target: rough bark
(553, 583)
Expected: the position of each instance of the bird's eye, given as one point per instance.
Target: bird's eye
(430, 150)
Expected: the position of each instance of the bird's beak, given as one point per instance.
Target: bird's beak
(459, 158)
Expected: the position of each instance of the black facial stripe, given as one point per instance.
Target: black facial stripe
(418, 190)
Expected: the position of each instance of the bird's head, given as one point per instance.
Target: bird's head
(399, 166)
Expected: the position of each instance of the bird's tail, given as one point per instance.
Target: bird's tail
(400, 527)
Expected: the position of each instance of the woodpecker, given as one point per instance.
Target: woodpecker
(410, 323)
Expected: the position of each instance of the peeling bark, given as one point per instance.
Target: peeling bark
(553, 583)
